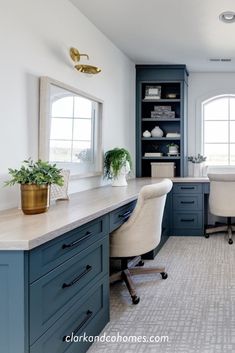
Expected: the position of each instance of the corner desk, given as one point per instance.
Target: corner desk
(54, 277)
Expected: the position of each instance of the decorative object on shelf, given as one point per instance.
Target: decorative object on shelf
(173, 149)
(35, 179)
(60, 192)
(163, 170)
(173, 134)
(86, 69)
(162, 112)
(117, 165)
(198, 163)
(157, 132)
(152, 92)
(146, 133)
(171, 95)
(153, 154)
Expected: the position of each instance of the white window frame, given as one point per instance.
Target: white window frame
(45, 124)
(199, 125)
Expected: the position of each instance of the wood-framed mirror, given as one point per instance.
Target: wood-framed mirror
(70, 132)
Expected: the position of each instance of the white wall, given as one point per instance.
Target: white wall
(35, 38)
(204, 86)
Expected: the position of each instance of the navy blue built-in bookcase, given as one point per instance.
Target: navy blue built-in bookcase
(172, 83)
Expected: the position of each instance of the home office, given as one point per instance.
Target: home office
(86, 88)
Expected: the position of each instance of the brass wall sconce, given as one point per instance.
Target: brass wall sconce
(86, 69)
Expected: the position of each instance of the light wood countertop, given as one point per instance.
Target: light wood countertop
(24, 232)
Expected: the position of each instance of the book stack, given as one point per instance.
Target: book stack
(162, 112)
(173, 134)
(153, 154)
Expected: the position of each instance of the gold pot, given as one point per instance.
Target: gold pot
(34, 198)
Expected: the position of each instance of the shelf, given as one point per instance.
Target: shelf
(163, 157)
(160, 138)
(156, 119)
(161, 100)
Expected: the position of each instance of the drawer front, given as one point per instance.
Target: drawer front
(120, 215)
(188, 202)
(88, 315)
(187, 188)
(190, 220)
(46, 257)
(54, 293)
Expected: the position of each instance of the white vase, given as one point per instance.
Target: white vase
(157, 132)
(146, 133)
(197, 169)
(120, 179)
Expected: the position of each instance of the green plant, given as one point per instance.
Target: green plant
(114, 160)
(197, 159)
(39, 173)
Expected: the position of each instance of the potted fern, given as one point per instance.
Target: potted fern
(117, 165)
(35, 179)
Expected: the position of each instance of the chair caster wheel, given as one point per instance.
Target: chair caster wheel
(230, 241)
(207, 236)
(140, 263)
(135, 299)
(164, 275)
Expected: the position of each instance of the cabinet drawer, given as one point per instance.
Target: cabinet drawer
(120, 215)
(88, 315)
(188, 202)
(187, 188)
(190, 220)
(54, 293)
(47, 256)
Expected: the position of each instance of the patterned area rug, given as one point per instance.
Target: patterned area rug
(194, 307)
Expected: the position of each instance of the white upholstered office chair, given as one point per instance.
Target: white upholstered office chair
(222, 202)
(140, 234)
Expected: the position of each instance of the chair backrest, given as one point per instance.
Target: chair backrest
(222, 194)
(142, 232)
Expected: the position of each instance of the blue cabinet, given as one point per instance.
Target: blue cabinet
(53, 294)
(188, 209)
(57, 288)
(88, 315)
(120, 215)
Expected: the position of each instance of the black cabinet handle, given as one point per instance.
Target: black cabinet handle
(77, 242)
(88, 315)
(187, 187)
(187, 202)
(187, 220)
(125, 215)
(75, 280)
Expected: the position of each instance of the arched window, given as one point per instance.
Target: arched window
(219, 130)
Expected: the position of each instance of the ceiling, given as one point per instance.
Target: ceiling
(167, 31)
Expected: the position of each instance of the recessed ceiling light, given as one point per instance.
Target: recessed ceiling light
(227, 17)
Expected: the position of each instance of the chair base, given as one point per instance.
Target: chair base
(129, 269)
(229, 228)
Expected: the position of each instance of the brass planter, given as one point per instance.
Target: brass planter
(34, 198)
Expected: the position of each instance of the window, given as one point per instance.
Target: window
(73, 130)
(219, 130)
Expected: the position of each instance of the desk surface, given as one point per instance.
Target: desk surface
(23, 232)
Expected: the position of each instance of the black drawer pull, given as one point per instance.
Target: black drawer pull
(88, 315)
(187, 202)
(187, 187)
(77, 242)
(125, 215)
(187, 220)
(88, 269)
